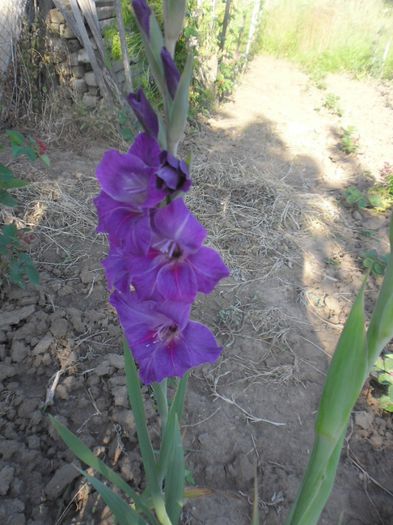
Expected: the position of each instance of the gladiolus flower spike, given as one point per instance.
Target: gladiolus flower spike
(157, 261)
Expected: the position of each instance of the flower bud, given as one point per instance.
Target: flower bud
(172, 75)
(142, 13)
(144, 112)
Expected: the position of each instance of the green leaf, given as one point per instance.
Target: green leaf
(123, 513)
(175, 414)
(346, 375)
(7, 199)
(175, 478)
(18, 151)
(15, 137)
(179, 111)
(135, 396)
(8, 181)
(45, 159)
(149, 463)
(84, 454)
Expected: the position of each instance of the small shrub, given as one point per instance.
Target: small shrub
(355, 198)
(15, 264)
(349, 143)
(374, 262)
(331, 103)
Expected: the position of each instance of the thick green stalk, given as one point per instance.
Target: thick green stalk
(160, 391)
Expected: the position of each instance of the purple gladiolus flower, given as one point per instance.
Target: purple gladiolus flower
(172, 75)
(176, 265)
(163, 341)
(144, 112)
(142, 12)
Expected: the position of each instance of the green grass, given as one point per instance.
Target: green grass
(331, 35)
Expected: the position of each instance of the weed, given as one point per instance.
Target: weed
(331, 103)
(349, 143)
(15, 264)
(332, 261)
(374, 262)
(383, 374)
(355, 198)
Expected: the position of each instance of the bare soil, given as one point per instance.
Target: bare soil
(268, 183)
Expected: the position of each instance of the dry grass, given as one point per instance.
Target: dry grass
(61, 216)
(247, 216)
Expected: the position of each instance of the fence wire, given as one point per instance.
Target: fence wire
(11, 14)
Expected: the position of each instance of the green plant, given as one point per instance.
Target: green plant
(349, 143)
(383, 374)
(355, 198)
(374, 262)
(331, 103)
(357, 351)
(15, 264)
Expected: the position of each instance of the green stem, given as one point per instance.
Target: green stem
(160, 391)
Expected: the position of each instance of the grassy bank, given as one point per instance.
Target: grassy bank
(332, 35)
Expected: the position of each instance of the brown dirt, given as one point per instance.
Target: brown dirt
(268, 181)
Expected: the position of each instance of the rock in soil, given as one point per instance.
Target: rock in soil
(62, 477)
(15, 316)
(6, 476)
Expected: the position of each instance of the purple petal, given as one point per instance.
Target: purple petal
(176, 282)
(124, 225)
(142, 12)
(147, 149)
(117, 270)
(174, 172)
(172, 75)
(176, 222)
(144, 112)
(144, 271)
(209, 268)
(195, 347)
(201, 344)
(127, 178)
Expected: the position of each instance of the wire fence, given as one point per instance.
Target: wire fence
(11, 13)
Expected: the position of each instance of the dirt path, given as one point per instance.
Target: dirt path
(268, 180)
(276, 129)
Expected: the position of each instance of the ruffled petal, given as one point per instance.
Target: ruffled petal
(201, 345)
(125, 226)
(209, 268)
(176, 282)
(147, 149)
(126, 178)
(176, 222)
